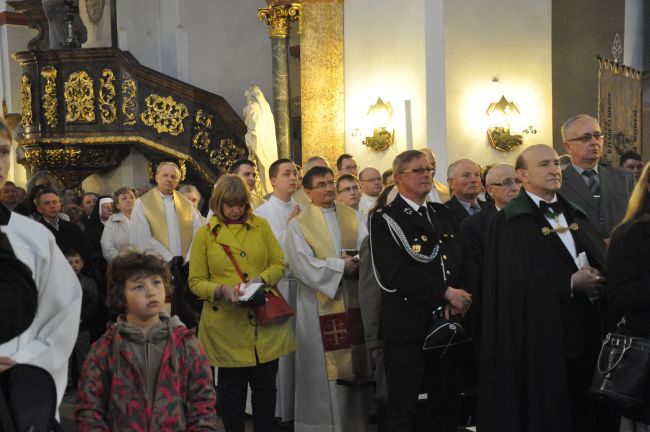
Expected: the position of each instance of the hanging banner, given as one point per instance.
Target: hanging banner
(619, 109)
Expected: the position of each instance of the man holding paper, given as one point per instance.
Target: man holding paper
(321, 247)
(541, 314)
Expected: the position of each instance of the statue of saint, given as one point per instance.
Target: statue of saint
(260, 135)
(66, 28)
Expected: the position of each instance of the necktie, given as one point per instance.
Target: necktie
(422, 211)
(474, 208)
(592, 184)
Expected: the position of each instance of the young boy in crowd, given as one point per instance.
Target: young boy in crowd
(89, 298)
(147, 372)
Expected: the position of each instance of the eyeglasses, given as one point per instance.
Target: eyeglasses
(324, 185)
(418, 171)
(587, 137)
(374, 179)
(507, 183)
(350, 189)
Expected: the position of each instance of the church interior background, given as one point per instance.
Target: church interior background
(165, 79)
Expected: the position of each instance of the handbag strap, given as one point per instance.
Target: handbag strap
(228, 252)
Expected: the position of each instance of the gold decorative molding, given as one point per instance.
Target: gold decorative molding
(227, 154)
(277, 18)
(106, 98)
(26, 100)
(164, 114)
(202, 126)
(50, 102)
(79, 98)
(60, 157)
(129, 93)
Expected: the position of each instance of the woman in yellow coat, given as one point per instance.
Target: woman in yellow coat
(243, 352)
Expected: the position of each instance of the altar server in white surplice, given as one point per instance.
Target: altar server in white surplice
(49, 339)
(279, 210)
(321, 247)
(162, 219)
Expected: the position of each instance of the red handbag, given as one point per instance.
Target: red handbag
(275, 310)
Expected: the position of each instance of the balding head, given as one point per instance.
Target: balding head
(316, 161)
(370, 179)
(538, 167)
(502, 184)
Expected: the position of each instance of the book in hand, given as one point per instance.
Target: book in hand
(246, 291)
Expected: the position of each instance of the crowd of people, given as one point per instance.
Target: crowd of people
(144, 307)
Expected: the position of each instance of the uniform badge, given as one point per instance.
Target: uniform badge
(416, 248)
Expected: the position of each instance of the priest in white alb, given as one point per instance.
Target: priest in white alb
(279, 210)
(163, 220)
(321, 247)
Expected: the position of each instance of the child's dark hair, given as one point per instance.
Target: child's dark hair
(128, 264)
(71, 253)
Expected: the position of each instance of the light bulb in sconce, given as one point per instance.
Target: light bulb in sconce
(504, 125)
(379, 118)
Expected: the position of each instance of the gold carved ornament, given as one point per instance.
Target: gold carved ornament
(79, 98)
(26, 100)
(277, 18)
(129, 91)
(106, 97)
(59, 157)
(50, 102)
(226, 155)
(202, 126)
(164, 114)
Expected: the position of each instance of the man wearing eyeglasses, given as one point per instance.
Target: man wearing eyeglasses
(601, 191)
(371, 187)
(348, 191)
(321, 247)
(417, 257)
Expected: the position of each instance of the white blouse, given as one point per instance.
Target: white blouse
(116, 235)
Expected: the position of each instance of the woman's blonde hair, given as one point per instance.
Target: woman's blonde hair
(230, 190)
(637, 205)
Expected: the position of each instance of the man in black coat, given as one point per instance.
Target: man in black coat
(464, 178)
(67, 235)
(417, 258)
(540, 312)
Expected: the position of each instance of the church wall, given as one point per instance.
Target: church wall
(580, 31)
(133, 172)
(384, 57)
(98, 35)
(508, 39)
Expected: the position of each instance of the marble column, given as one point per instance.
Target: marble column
(322, 79)
(281, 96)
(278, 17)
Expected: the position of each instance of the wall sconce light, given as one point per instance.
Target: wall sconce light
(379, 117)
(502, 115)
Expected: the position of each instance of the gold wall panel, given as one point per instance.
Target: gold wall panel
(26, 100)
(129, 93)
(164, 114)
(106, 98)
(79, 98)
(202, 126)
(227, 154)
(50, 102)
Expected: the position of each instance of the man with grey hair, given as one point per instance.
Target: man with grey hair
(163, 219)
(464, 179)
(602, 191)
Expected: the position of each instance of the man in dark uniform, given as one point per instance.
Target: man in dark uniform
(464, 178)
(417, 258)
(540, 314)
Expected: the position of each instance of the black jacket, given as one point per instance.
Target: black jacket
(628, 286)
(413, 289)
(530, 323)
(457, 210)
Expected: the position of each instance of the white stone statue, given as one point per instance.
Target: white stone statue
(260, 135)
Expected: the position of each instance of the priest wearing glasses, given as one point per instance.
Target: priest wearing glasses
(542, 295)
(602, 191)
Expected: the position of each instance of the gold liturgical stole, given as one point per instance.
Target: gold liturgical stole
(154, 211)
(340, 328)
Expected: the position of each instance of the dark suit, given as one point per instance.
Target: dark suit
(458, 211)
(538, 344)
(473, 230)
(605, 213)
(411, 291)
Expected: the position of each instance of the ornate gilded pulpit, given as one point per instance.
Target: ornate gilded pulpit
(83, 109)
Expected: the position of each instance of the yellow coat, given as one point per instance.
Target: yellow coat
(230, 340)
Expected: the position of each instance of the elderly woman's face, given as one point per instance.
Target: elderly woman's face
(233, 212)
